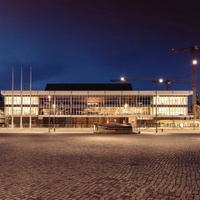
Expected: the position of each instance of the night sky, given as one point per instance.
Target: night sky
(93, 41)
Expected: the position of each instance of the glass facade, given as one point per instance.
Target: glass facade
(95, 104)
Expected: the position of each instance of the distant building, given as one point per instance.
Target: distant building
(2, 118)
(82, 105)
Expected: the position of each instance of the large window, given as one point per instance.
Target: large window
(17, 110)
(16, 100)
(170, 100)
(170, 111)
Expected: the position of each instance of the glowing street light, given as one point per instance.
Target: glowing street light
(123, 79)
(194, 87)
(194, 62)
(160, 80)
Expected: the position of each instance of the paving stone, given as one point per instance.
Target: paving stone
(99, 167)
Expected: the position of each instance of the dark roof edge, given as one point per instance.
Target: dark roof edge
(88, 87)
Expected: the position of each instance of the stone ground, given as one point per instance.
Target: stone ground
(89, 166)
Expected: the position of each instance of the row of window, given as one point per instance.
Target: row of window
(160, 100)
(97, 111)
(16, 100)
(96, 105)
(98, 101)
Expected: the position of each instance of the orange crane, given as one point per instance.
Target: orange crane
(193, 51)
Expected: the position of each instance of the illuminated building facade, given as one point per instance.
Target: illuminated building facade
(75, 105)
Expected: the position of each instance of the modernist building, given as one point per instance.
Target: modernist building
(75, 105)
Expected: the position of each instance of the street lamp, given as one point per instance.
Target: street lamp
(138, 121)
(160, 80)
(49, 97)
(123, 79)
(194, 62)
(126, 112)
(54, 108)
(194, 88)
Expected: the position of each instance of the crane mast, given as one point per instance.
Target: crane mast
(193, 51)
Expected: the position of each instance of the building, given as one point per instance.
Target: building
(82, 105)
(2, 118)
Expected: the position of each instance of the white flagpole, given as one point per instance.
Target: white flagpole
(12, 118)
(30, 119)
(21, 100)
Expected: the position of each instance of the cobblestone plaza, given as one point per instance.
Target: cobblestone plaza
(99, 166)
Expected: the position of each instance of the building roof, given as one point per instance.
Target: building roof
(88, 87)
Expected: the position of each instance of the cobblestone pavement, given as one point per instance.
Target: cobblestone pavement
(99, 167)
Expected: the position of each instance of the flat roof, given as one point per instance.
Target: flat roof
(88, 87)
(141, 92)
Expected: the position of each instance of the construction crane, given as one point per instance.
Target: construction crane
(167, 82)
(193, 51)
(125, 79)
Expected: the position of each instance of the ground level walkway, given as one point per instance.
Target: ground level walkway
(91, 130)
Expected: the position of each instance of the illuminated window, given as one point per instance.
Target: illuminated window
(17, 100)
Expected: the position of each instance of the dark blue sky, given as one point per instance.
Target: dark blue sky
(93, 41)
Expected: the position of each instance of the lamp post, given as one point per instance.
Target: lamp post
(156, 110)
(194, 86)
(138, 121)
(54, 124)
(49, 97)
(125, 109)
(160, 80)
